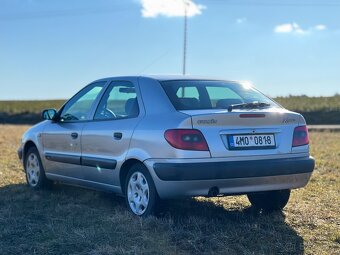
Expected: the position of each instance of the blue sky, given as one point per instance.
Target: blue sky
(51, 49)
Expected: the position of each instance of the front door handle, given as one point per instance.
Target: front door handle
(118, 135)
(74, 135)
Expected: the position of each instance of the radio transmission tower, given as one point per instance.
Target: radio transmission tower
(186, 4)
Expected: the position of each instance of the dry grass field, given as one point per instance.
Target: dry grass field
(69, 220)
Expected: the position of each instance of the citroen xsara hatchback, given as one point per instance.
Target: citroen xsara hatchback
(151, 138)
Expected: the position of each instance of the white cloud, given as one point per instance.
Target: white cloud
(284, 28)
(320, 27)
(170, 8)
(289, 28)
(294, 28)
(241, 20)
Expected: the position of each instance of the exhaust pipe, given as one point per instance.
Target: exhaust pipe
(213, 192)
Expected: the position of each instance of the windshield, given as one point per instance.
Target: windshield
(196, 95)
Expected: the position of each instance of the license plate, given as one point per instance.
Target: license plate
(249, 142)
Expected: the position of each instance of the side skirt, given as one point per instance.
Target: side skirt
(84, 183)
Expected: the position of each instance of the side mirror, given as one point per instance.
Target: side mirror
(49, 114)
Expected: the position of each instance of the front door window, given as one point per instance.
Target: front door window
(79, 107)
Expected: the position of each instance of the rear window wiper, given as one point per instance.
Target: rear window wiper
(252, 105)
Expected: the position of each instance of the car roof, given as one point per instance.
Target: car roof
(169, 77)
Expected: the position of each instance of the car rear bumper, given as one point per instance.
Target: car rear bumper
(174, 179)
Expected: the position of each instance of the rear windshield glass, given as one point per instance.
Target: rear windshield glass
(196, 95)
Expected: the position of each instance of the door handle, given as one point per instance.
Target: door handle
(74, 135)
(117, 135)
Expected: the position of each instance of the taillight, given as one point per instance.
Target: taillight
(186, 139)
(300, 136)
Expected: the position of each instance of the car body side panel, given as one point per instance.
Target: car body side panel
(60, 147)
(148, 138)
(155, 101)
(33, 135)
(100, 144)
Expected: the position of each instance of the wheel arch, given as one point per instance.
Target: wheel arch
(124, 171)
(29, 144)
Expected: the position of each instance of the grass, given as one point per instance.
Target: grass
(69, 220)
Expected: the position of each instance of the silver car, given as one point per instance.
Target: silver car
(151, 138)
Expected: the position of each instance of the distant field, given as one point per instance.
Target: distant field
(69, 220)
(15, 107)
(310, 104)
(25, 112)
(316, 110)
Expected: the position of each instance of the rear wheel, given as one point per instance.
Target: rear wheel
(140, 193)
(270, 200)
(35, 174)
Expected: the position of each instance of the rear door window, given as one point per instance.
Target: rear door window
(118, 102)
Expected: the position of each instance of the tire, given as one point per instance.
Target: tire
(274, 200)
(140, 192)
(34, 170)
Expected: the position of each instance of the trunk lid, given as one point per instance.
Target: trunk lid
(217, 125)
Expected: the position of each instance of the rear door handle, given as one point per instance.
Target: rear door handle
(74, 135)
(118, 135)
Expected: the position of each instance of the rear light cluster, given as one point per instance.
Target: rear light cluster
(300, 136)
(186, 139)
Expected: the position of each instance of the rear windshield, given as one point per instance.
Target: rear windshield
(199, 95)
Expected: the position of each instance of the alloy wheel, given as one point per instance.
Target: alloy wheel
(32, 170)
(138, 193)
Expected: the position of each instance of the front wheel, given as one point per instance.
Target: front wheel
(140, 193)
(35, 174)
(270, 200)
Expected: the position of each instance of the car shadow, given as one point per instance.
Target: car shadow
(191, 225)
(249, 230)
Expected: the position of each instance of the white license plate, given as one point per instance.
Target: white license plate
(258, 141)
